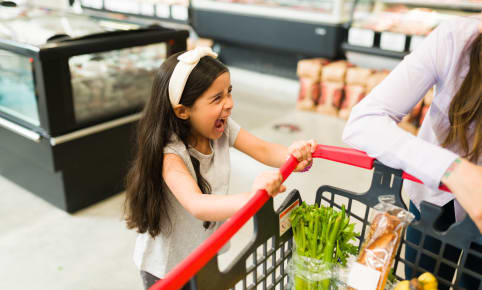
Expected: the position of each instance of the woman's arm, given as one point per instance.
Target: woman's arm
(210, 207)
(372, 126)
(465, 180)
(273, 154)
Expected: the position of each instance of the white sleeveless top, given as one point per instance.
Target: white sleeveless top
(159, 255)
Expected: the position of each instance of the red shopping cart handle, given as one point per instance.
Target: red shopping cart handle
(181, 274)
(357, 158)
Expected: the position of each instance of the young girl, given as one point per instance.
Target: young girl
(178, 184)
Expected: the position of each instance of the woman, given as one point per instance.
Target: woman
(448, 147)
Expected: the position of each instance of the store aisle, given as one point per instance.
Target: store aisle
(42, 247)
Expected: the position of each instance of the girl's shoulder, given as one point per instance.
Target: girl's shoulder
(175, 146)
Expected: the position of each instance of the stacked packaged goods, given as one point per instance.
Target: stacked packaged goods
(355, 89)
(332, 84)
(334, 88)
(309, 72)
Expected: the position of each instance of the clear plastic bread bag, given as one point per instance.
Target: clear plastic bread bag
(381, 243)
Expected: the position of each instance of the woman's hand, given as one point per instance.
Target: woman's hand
(302, 151)
(464, 179)
(271, 181)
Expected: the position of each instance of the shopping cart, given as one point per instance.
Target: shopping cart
(263, 263)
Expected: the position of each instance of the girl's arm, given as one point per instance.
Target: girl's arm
(210, 207)
(273, 154)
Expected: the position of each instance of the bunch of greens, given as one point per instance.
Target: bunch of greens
(324, 234)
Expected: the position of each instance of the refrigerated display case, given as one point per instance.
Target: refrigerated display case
(71, 90)
(261, 30)
(391, 29)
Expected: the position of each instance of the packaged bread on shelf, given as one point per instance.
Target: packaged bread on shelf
(335, 71)
(355, 89)
(311, 68)
(380, 245)
(330, 98)
(332, 84)
(309, 73)
(357, 76)
(353, 95)
(309, 92)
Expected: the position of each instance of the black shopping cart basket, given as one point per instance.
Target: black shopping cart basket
(263, 263)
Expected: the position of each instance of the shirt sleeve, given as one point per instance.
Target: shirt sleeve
(233, 131)
(373, 128)
(170, 150)
(175, 146)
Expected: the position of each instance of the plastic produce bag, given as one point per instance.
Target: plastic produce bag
(322, 246)
(309, 273)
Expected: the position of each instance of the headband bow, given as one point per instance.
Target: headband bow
(187, 62)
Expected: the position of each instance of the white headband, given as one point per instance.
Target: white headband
(187, 62)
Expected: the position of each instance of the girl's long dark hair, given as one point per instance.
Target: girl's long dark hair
(466, 108)
(146, 205)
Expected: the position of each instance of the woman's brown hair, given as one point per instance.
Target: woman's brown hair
(146, 204)
(466, 108)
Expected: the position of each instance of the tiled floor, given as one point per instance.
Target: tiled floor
(42, 247)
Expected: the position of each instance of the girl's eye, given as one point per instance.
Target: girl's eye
(217, 99)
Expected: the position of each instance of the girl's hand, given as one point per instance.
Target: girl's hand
(465, 181)
(270, 181)
(302, 150)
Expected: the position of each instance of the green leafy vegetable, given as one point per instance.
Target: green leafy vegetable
(324, 234)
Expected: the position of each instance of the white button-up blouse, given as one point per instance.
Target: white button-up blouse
(442, 60)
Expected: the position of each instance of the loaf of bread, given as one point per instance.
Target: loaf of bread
(381, 244)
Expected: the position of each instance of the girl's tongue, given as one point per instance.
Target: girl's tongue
(219, 125)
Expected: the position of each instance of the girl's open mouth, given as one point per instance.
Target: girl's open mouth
(220, 125)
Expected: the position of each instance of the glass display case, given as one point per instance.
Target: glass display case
(71, 90)
(17, 87)
(110, 82)
(90, 71)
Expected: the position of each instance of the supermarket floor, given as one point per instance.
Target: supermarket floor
(42, 247)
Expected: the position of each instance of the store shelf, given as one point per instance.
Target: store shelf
(374, 51)
(453, 5)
